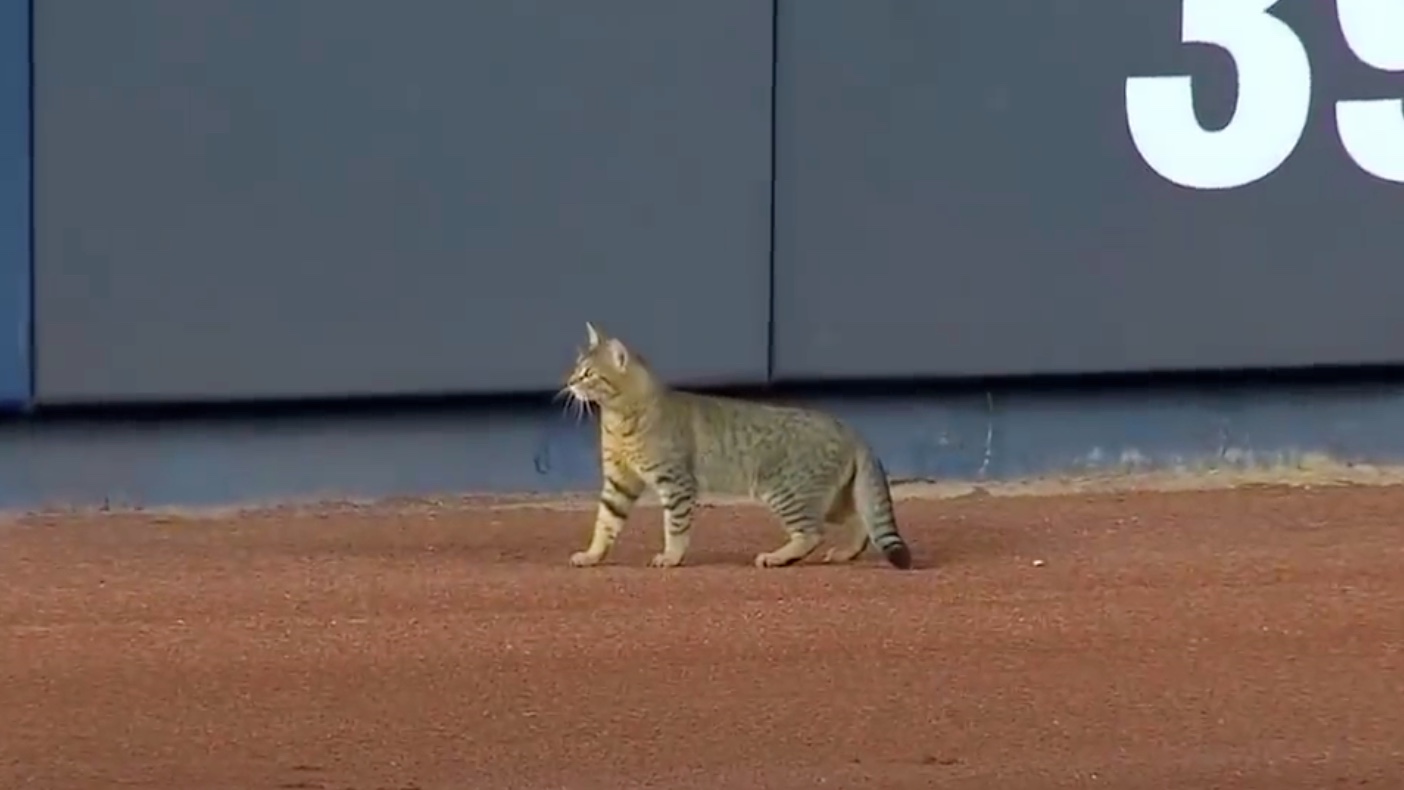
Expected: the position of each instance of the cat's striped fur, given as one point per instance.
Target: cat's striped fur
(814, 472)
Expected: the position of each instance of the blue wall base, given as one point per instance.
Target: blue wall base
(534, 448)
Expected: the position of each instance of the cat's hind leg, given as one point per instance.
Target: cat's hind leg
(852, 540)
(803, 523)
(845, 529)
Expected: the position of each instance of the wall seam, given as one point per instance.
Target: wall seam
(770, 258)
(33, 359)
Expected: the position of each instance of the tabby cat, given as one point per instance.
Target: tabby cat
(815, 473)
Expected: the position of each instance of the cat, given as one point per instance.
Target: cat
(814, 472)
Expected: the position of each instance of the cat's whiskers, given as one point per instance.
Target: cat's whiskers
(578, 407)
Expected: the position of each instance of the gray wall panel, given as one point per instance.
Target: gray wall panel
(15, 250)
(958, 194)
(316, 197)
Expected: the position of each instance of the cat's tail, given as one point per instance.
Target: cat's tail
(872, 498)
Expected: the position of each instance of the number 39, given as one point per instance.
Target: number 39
(1274, 95)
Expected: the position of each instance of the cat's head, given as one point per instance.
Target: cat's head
(607, 373)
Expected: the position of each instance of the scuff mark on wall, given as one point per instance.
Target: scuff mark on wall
(986, 437)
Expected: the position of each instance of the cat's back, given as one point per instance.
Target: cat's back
(746, 418)
(736, 441)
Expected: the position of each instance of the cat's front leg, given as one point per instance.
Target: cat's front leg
(621, 489)
(678, 495)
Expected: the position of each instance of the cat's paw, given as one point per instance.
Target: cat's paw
(773, 559)
(665, 560)
(839, 555)
(584, 559)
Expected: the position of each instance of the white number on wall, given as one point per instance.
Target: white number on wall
(1274, 96)
(1372, 130)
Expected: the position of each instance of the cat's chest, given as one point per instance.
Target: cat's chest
(635, 443)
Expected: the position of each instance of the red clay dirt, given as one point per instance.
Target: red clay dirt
(1232, 639)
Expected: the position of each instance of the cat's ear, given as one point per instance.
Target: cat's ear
(618, 354)
(593, 334)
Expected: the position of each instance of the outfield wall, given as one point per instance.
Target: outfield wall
(226, 203)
